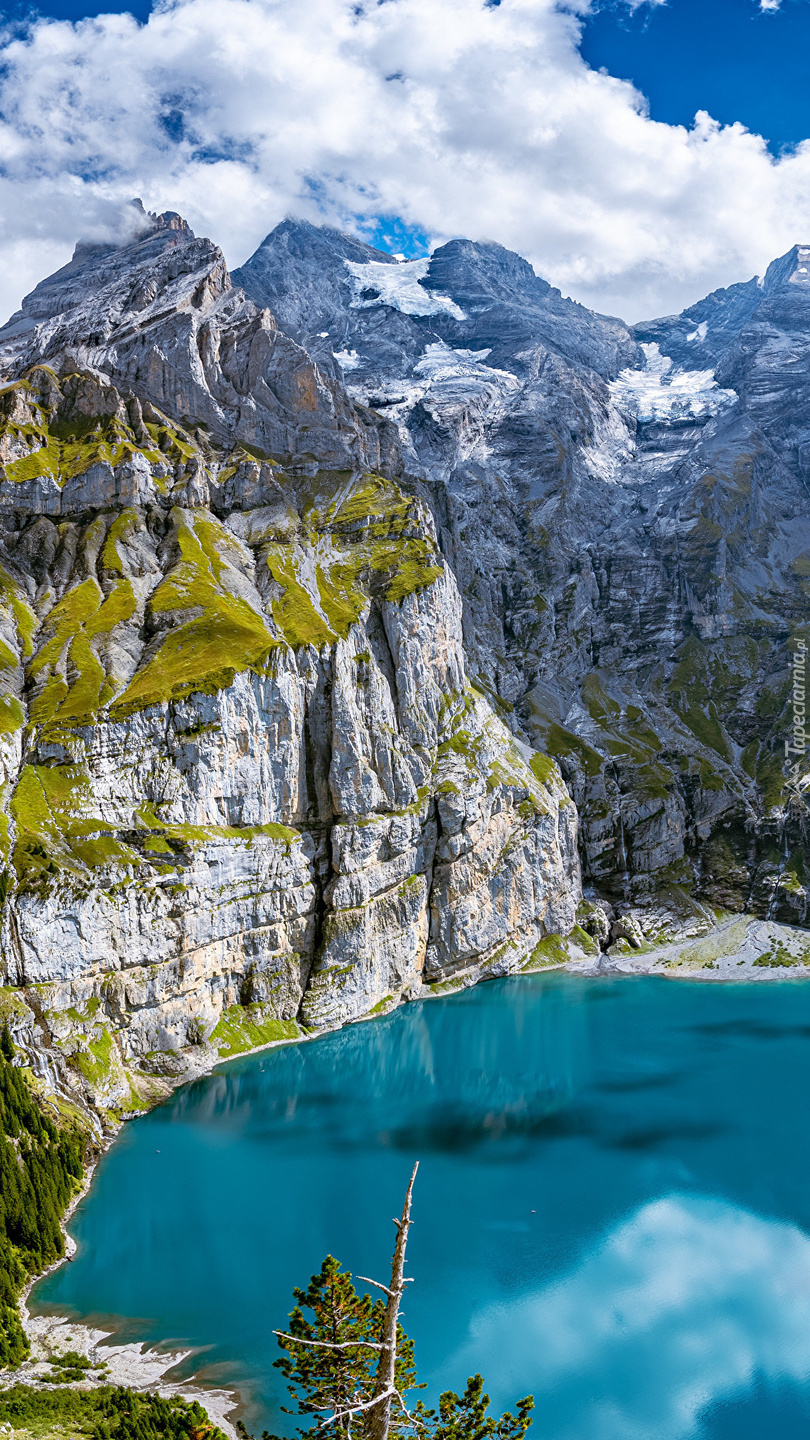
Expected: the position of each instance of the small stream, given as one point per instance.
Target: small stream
(612, 1209)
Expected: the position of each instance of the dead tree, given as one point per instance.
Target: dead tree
(385, 1389)
(378, 1407)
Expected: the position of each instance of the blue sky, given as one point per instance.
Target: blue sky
(638, 155)
(729, 57)
(725, 56)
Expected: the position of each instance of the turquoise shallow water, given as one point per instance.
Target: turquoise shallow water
(612, 1210)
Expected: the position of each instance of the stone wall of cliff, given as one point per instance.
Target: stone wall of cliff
(249, 789)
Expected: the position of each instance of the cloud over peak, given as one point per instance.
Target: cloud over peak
(458, 116)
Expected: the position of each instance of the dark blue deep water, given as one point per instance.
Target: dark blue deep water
(613, 1205)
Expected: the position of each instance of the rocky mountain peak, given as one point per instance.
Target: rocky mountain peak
(303, 267)
(479, 274)
(158, 314)
(790, 269)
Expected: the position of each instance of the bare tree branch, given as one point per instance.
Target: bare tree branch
(355, 1409)
(328, 1344)
(407, 1280)
(366, 1281)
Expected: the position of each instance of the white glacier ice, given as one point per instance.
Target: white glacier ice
(663, 391)
(398, 286)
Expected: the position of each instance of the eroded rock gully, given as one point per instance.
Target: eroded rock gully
(308, 587)
(249, 787)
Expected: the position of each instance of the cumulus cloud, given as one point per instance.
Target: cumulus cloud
(688, 1304)
(459, 116)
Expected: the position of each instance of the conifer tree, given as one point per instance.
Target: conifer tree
(464, 1417)
(6, 1042)
(332, 1358)
(352, 1364)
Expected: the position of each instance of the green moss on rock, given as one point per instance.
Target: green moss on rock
(245, 1027)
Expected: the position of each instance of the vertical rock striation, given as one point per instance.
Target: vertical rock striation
(248, 782)
(626, 515)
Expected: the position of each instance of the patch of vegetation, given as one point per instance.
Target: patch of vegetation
(562, 743)
(55, 835)
(71, 682)
(543, 768)
(551, 950)
(361, 541)
(244, 1027)
(777, 956)
(68, 1367)
(218, 634)
(15, 604)
(96, 1060)
(40, 1170)
(12, 714)
(44, 434)
(381, 1006)
(107, 1412)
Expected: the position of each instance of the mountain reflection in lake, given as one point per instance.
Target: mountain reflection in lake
(611, 1210)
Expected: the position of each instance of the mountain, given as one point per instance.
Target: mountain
(355, 612)
(248, 785)
(626, 515)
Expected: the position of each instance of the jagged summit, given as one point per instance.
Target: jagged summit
(158, 314)
(303, 267)
(341, 297)
(790, 269)
(703, 333)
(95, 264)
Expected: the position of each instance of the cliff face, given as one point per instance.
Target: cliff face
(248, 783)
(626, 516)
(302, 606)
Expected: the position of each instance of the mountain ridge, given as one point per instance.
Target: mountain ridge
(353, 624)
(249, 789)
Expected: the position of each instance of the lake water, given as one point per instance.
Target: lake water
(612, 1209)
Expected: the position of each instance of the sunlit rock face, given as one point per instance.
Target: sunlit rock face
(249, 783)
(625, 512)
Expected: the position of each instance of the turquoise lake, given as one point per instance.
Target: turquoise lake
(612, 1209)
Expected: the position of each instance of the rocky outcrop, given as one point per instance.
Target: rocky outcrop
(250, 788)
(626, 515)
(307, 588)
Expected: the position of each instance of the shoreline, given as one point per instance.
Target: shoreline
(739, 948)
(727, 954)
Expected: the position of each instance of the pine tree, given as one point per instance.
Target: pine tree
(333, 1365)
(464, 1417)
(6, 1042)
(353, 1359)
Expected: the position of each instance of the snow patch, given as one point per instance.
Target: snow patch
(700, 333)
(440, 362)
(398, 286)
(663, 391)
(347, 359)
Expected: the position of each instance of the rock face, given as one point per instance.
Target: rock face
(626, 515)
(249, 784)
(308, 587)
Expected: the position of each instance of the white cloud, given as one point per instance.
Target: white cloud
(462, 118)
(687, 1304)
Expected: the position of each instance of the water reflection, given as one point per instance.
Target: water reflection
(569, 1132)
(679, 1308)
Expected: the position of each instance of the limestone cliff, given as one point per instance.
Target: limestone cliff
(626, 514)
(248, 783)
